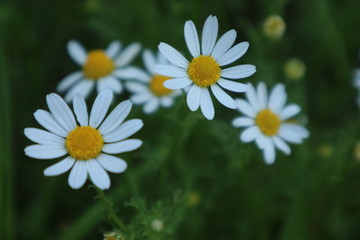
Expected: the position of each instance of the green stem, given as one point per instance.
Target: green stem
(111, 211)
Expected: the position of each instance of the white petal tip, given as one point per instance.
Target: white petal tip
(209, 117)
(47, 173)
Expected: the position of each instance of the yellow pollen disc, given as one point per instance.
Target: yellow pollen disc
(204, 71)
(84, 143)
(157, 85)
(268, 122)
(97, 65)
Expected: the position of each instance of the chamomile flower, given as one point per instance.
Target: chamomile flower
(274, 27)
(267, 120)
(103, 68)
(150, 90)
(86, 145)
(205, 69)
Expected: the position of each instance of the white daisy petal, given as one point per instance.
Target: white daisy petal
(113, 49)
(132, 73)
(47, 120)
(250, 134)
(173, 55)
(297, 129)
(149, 60)
(166, 101)
(161, 59)
(83, 88)
(116, 117)
(243, 122)
(45, 151)
(277, 98)
(78, 175)
(233, 54)
(233, 86)
(128, 54)
(100, 107)
(177, 83)
(209, 35)
(69, 80)
(123, 146)
(252, 98)
(135, 87)
(61, 111)
(224, 44)
(140, 98)
(206, 104)
(111, 163)
(43, 137)
(262, 95)
(193, 97)
(77, 52)
(240, 71)
(80, 110)
(170, 71)
(109, 82)
(280, 144)
(151, 106)
(261, 141)
(288, 135)
(289, 111)
(223, 97)
(245, 108)
(191, 38)
(356, 78)
(124, 131)
(97, 174)
(269, 152)
(59, 168)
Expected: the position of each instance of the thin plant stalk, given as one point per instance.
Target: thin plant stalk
(108, 206)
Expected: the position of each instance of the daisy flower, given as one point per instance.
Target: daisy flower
(267, 120)
(103, 68)
(205, 69)
(86, 145)
(150, 90)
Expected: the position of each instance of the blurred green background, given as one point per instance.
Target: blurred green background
(192, 174)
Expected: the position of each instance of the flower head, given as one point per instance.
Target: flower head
(157, 225)
(148, 87)
(113, 236)
(267, 120)
(87, 142)
(357, 151)
(205, 69)
(103, 68)
(294, 69)
(274, 27)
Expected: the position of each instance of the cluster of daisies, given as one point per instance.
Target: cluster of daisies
(88, 144)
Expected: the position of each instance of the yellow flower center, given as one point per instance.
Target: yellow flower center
(268, 122)
(84, 143)
(97, 65)
(157, 85)
(204, 71)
